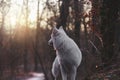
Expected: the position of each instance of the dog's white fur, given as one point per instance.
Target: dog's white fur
(68, 55)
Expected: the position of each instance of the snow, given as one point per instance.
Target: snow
(36, 76)
(31, 76)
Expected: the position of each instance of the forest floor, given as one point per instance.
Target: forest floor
(111, 72)
(31, 76)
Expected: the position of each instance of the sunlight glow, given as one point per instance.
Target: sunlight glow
(18, 2)
(32, 17)
(16, 16)
(13, 21)
(17, 13)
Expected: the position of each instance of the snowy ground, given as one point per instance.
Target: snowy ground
(36, 76)
(32, 76)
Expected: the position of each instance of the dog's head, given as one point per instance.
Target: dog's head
(56, 35)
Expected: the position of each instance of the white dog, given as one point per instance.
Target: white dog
(68, 55)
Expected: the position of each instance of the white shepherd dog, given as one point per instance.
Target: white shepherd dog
(68, 55)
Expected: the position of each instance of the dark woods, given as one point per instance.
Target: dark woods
(93, 24)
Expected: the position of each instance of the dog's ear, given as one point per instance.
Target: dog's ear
(55, 30)
(61, 28)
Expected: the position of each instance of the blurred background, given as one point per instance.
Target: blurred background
(25, 28)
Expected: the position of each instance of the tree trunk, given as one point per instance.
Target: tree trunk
(77, 22)
(64, 12)
(109, 16)
(96, 15)
(26, 39)
(37, 57)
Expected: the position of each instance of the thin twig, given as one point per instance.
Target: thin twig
(94, 46)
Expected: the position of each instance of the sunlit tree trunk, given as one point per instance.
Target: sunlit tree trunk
(1, 44)
(26, 38)
(2, 30)
(37, 48)
(37, 40)
(86, 33)
(4, 10)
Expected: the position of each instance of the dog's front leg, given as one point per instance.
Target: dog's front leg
(72, 73)
(63, 73)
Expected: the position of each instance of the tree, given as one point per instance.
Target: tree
(109, 16)
(77, 23)
(64, 12)
(26, 37)
(37, 56)
(4, 8)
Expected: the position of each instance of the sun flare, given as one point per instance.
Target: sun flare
(17, 13)
(13, 21)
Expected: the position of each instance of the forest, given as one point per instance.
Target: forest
(26, 26)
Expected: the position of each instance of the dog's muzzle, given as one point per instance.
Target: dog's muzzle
(50, 42)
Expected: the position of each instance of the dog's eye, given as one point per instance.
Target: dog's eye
(56, 34)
